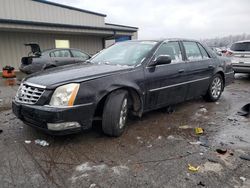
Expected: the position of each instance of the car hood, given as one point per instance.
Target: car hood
(74, 73)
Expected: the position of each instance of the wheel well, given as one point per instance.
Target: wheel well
(222, 75)
(136, 102)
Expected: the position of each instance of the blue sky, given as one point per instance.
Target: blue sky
(196, 19)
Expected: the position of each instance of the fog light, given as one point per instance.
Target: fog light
(62, 126)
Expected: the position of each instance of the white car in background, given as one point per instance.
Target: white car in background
(239, 52)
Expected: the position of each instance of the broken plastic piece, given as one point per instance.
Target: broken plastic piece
(243, 178)
(192, 168)
(245, 110)
(27, 141)
(201, 184)
(41, 142)
(184, 127)
(198, 130)
(195, 143)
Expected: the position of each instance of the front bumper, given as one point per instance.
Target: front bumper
(40, 116)
(241, 67)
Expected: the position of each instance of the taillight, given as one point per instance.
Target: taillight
(229, 53)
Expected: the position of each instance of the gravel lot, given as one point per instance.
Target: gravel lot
(154, 151)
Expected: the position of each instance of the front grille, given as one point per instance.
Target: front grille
(29, 94)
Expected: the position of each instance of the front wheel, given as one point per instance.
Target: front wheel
(215, 88)
(115, 113)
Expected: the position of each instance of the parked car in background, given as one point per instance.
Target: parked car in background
(239, 52)
(38, 60)
(128, 77)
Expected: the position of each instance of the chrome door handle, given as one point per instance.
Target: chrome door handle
(181, 70)
(210, 66)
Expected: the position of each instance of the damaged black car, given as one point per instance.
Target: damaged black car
(38, 60)
(130, 77)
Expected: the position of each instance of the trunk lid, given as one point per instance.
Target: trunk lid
(35, 49)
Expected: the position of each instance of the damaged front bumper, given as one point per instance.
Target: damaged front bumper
(55, 120)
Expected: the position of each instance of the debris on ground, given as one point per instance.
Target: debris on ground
(199, 130)
(149, 146)
(1, 130)
(27, 141)
(221, 151)
(185, 127)
(201, 184)
(203, 110)
(245, 157)
(245, 110)
(192, 168)
(195, 143)
(243, 178)
(92, 185)
(170, 137)
(41, 142)
(159, 137)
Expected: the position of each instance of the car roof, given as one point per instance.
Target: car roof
(52, 49)
(166, 39)
(242, 41)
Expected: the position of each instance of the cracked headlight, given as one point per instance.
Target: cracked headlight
(64, 95)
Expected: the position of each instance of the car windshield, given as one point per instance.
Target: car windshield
(243, 46)
(124, 53)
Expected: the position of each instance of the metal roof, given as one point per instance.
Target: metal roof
(69, 7)
(9, 21)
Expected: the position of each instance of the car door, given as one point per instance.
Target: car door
(200, 68)
(79, 56)
(166, 83)
(61, 57)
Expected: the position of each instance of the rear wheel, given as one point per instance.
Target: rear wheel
(215, 88)
(115, 113)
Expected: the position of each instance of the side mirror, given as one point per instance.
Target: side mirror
(161, 60)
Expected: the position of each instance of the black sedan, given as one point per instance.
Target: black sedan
(128, 77)
(38, 60)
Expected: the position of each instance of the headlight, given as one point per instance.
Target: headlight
(64, 95)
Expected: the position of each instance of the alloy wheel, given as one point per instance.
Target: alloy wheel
(123, 113)
(216, 87)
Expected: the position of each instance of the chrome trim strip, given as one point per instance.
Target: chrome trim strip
(174, 85)
(66, 107)
(35, 85)
(232, 72)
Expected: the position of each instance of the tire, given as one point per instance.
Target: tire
(115, 113)
(215, 89)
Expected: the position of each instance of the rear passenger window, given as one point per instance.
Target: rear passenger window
(60, 53)
(172, 49)
(203, 52)
(192, 51)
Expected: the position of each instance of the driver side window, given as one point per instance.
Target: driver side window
(171, 49)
